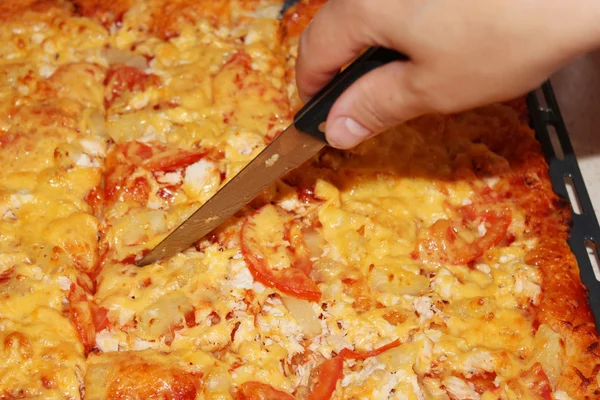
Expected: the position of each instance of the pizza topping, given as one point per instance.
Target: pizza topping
(269, 257)
(327, 376)
(483, 382)
(159, 159)
(463, 239)
(303, 253)
(155, 157)
(331, 371)
(148, 381)
(122, 57)
(304, 314)
(123, 78)
(262, 391)
(171, 161)
(202, 179)
(81, 316)
(536, 381)
(354, 355)
(100, 317)
(457, 388)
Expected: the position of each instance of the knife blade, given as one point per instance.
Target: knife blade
(296, 145)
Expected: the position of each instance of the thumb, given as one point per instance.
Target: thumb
(383, 98)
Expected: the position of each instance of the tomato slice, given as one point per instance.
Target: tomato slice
(483, 382)
(94, 199)
(462, 240)
(536, 380)
(174, 160)
(354, 355)
(331, 371)
(100, 317)
(125, 157)
(263, 227)
(81, 316)
(136, 152)
(123, 78)
(154, 156)
(328, 374)
(261, 391)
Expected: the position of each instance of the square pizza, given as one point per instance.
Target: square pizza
(430, 262)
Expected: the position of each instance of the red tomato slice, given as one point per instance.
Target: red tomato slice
(81, 316)
(354, 355)
(328, 374)
(170, 162)
(155, 156)
(137, 191)
(125, 157)
(262, 391)
(114, 181)
(122, 78)
(100, 317)
(266, 226)
(331, 371)
(136, 152)
(94, 199)
(444, 242)
(537, 381)
(483, 382)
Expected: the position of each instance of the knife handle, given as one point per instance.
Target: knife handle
(315, 112)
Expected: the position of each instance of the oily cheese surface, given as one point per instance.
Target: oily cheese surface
(430, 262)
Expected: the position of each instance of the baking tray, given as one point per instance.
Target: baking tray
(286, 4)
(565, 175)
(551, 132)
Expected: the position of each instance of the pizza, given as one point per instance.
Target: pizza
(430, 262)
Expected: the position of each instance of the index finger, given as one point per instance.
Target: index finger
(339, 32)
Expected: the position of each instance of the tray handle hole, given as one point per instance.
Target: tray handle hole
(573, 196)
(592, 251)
(558, 150)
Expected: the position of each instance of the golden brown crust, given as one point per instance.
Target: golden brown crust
(564, 299)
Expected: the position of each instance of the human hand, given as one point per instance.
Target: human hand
(463, 54)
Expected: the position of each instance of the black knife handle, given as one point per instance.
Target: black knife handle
(315, 112)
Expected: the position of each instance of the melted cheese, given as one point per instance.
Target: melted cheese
(51, 148)
(41, 357)
(215, 79)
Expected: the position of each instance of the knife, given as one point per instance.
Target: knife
(296, 145)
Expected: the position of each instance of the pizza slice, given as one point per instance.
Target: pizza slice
(41, 357)
(51, 148)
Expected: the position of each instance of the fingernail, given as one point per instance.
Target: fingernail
(345, 133)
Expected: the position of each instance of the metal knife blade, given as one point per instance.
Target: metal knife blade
(288, 151)
(297, 144)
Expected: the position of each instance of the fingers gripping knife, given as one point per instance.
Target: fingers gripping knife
(297, 144)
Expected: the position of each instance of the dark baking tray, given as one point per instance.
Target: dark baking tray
(286, 4)
(551, 132)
